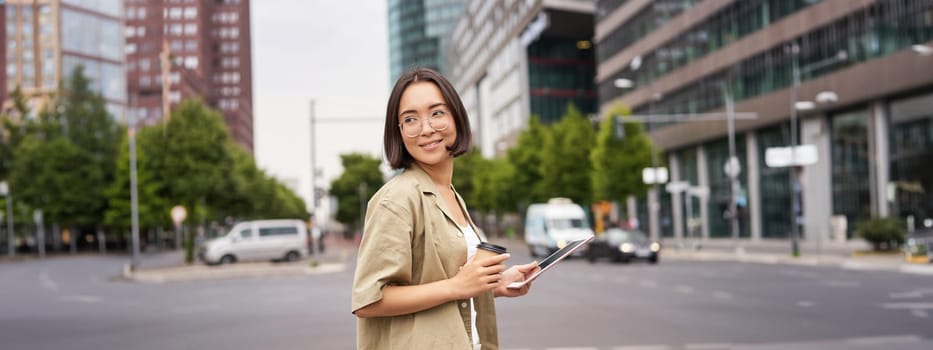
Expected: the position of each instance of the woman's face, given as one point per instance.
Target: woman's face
(427, 116)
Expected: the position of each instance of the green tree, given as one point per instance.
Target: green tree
(618, 161)
(465, 169)
(197, 164)
(358, 169)
(44, 176)
(565, 161)
(12, 131)
(153, 208)
(87, 125)
(525, 159)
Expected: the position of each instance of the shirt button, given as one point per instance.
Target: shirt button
(463, 305)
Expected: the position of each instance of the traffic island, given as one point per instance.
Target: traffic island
(233, 271)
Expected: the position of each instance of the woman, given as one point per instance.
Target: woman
(416, 286)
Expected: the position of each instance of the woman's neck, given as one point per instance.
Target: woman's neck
(441, 174)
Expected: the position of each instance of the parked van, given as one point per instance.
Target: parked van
(258, 240)
(549, 226)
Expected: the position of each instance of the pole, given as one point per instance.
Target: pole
(313, 141)
(654, 219)
(795, 249)
(134, 195)
(733, 165)
(11, 237)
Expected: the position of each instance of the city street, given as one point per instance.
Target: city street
(78, 303)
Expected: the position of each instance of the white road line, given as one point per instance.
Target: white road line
(88, 299)
(649, 284)
(708, 346)
(195, 309)
(722, 295)
(920, 313)
(684, 289)
(805, 303)
(885, 340)
(841, 284)
(47, 281)
(918, 293)
(643, 347)
(901, 306)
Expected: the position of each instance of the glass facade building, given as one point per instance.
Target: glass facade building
(417, 30)
(870, 136)
(48, 39)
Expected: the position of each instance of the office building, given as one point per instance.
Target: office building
(513, 59)
(864, 102)
(206, 45)
(417, 33)
(47, 39)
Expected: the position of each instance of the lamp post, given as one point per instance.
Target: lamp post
(5, 192)
(794, 51)
(134, 195)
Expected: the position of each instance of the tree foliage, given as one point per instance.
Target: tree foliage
(565, 162)
(618, 162)
(360, 172)
(525, 158)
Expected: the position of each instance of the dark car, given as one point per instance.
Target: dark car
(622, 246)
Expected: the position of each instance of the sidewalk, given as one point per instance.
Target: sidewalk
(169, 266)
(851, 255)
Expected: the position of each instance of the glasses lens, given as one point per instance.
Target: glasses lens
(412, 127)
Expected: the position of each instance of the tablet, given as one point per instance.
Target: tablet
(552, 260)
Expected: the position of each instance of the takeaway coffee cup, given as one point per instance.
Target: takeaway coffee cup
(488, 249)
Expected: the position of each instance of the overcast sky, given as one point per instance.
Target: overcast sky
(335, 52)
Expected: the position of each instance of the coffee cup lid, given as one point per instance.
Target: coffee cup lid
(492, 247)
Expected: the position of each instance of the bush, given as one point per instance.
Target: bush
(881, 233)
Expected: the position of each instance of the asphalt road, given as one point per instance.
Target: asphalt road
(73, 303)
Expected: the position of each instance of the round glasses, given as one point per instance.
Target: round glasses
(411, 126)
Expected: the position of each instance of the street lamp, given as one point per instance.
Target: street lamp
(794, 51)
(134, 193)
(5, 192)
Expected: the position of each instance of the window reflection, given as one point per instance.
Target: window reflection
(851, 192)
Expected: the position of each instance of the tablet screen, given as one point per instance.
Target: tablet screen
(553, 259)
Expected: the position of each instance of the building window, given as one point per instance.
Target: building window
(191, 29)
(191, 13)
(851, 189)
(144, 80)
(911, 145)
(191, 62)
(191, 45)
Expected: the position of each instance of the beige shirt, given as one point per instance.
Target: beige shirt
(410, 238)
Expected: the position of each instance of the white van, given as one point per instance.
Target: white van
(549, 226)
(258, 240)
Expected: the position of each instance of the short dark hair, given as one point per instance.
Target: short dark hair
(393, 144)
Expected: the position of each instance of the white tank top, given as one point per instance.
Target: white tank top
(472, 239)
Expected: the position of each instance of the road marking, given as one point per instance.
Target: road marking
(920, 313)
(918, 293)
(643, 347)
(901, 306)
(841, 284)
(190, 309)
(47, 281)
(885, 340)
(88, 299)
(722, 295)
(708, 346)
(684, 289)
(805, 303)
(649, 284)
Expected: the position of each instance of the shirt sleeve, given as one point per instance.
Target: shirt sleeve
(385, 255)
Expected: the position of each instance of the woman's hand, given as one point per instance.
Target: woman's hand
(478, 276)
(516, 273)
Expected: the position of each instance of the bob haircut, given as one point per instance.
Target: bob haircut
(393, 143)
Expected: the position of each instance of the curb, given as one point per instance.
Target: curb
(236, 271)
(843, 263)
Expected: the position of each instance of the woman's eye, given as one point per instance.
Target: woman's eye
(410, 120)
(437, 113)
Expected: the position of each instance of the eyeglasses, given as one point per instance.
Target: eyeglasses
(411, 126)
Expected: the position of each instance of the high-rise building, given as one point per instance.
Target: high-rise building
(417, 30)
(863, 99)
(47, 39)
(513, 59)
(205, 48)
